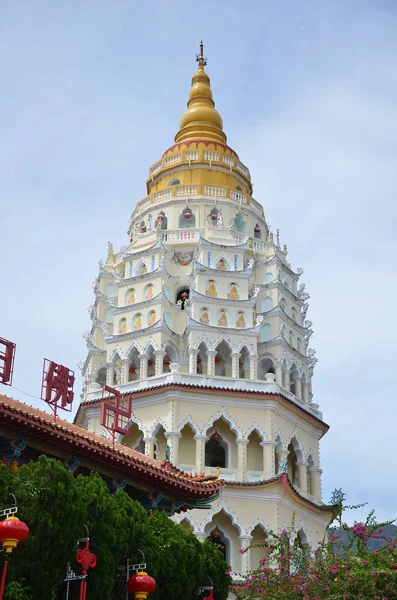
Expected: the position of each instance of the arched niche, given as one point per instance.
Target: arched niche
(240, 224)
(187, 219)
(187, 446)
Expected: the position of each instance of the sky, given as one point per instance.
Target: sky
(92, 93)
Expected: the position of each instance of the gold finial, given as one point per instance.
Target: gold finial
(202, 61)
(201, 120)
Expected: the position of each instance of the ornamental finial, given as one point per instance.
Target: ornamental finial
(202, 61)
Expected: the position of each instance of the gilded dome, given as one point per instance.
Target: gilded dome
(201, 120)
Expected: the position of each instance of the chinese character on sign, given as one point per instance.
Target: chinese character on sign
(7, 356)
(57, 385)
(116, 411)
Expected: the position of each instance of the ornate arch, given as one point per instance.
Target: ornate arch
(222, 506)
(151, 343)
(134, 344)
(232, 423)
(300, 446)
(138, 422)
(280, 437)
(227, 340)
(309, 456)
(141, 262)
(186, 517)
(260, 522)
(301, 527)
(248, 346)
(189, 421)
(171, 345)
(98, 367)
(156, 426)
(113, 354)
(259, 430)
(202, 340)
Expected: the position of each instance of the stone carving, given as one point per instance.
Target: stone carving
(311, 355)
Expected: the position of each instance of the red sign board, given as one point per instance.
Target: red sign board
(7, 356)
(116, 411)
(57, 385)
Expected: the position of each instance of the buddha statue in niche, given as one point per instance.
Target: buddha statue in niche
(222, 321)
(149, 291)
(138, 321)
(204, 317)
(240, 322)
(131, 296)
(233, 292)
(152, 319)
(211, 288)
(221, 266)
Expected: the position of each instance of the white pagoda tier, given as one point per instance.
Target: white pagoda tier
(202, 319)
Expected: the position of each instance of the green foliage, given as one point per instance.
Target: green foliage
(335, 570)
(55, 506)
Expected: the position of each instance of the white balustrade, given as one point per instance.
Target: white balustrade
(243, 169)
(143, 203)
(172, 160)
(156, 168)
(228, 160)
(162, 195)
(238, 196)
(211, 156)
(180, 235)
(213, 190)
(239, 238)
(192, 155)
(256, 206)
(259, 246)
(186, 190)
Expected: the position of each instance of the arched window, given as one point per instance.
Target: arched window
(291, 338)
(182, 296)
(239, 188)
(137, 321)
(123, 325)
(266, 332)
(239, 223)
(187, 220)
(162, 219)
(174, 182)
(293, 314)
(266, 304)
(223, 317)
(282, 332)
(215, 451)
(218, 538)
(130, 296)
(101, 376)
(108, 316)
(283, 304)
(211, 288)
(233, 291)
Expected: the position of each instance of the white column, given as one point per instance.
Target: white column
(268, 459)
(211, 362)
(281, 454)
(143, 365)
(159, 354)
(302, 476)
(298, 387)
(110, 374)
(200, 452)
(315, 479)
(286, 378)
(193, 352)
(279, 374)
(149, 446)
(245, 541)
(305, 391)
(253, 366)
(125, 368)
(235, 364)
(241, 459)
(173, 442)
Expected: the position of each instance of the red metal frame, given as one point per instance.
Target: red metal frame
(7, 358)
(59, 379)
(115, 411)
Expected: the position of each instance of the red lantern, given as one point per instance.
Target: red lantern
(257, 229)
(150, 362)
(166, 361)
(132, 369)
(188, 215)
(214, 216)
(12, 531)
(218, 359)
(141, 585)
(143, 228)
(160, 217)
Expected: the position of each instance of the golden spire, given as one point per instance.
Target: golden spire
(201, 120)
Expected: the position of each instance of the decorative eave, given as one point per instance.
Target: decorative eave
(62, 439)
(200, 268)
(130, 255)
(246, 302)
(284, 482)
(219, 391)
(204, 243)
(161, 270)
(192, 324)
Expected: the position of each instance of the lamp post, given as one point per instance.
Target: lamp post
(140, 584)
(12, 531)
(87, 560)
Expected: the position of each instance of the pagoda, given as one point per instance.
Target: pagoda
(202, 320)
